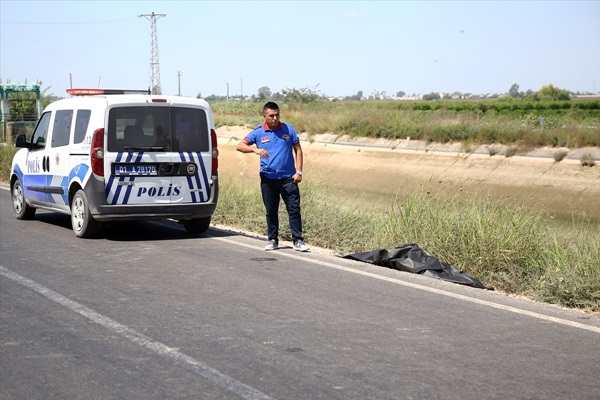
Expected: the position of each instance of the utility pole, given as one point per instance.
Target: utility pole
(179, 83)
(154, 64)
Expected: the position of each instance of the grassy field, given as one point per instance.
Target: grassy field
(6, 154)
(523, 125)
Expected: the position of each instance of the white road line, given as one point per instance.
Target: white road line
(425, 288)
(199, 368)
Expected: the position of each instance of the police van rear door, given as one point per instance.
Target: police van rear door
(191, 135)
(155, 154)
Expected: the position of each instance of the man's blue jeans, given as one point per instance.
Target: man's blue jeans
(274, 189)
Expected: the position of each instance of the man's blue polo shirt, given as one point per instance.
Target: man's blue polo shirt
(279, 144)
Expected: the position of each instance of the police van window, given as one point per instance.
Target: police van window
(149, 128)
(81, 124)
(133, 128)
(40, 134)
(121, 125)
(190, 129)
(62, 128)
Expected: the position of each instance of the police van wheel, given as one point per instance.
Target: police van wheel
(197, 225)
(22, 209)
(84, 225)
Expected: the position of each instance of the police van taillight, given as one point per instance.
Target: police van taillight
(97, 152)
(215, 151)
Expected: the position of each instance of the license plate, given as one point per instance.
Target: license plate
(136, 170)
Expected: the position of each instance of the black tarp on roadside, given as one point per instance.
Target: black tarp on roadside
(411, 258)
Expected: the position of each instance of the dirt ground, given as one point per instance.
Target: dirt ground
(377, 171)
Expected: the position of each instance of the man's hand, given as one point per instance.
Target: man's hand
(261, 152)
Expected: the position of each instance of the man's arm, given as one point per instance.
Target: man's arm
(299, 162)
(244, 147)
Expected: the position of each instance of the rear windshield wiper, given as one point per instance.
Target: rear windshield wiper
(145, 148)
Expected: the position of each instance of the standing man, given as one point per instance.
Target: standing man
(280, 174)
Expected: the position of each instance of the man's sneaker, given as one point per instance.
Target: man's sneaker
(272, 245)
(300, 246)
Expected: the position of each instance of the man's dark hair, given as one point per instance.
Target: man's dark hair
(270, 106)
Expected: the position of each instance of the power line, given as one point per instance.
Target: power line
(63, 22)
(154, 63)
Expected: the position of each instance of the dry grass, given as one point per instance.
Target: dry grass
(560, 155)
(588, 160)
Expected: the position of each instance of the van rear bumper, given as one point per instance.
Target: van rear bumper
(103, 212)
(136, 212)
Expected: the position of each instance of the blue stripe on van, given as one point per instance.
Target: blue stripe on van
(131, 179)
(196, 179)
(189, 178)
(111, 180)
(205, 177)
(79, 171)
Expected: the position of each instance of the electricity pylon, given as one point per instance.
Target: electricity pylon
(154, 64)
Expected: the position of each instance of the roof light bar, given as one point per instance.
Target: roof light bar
(93, 92)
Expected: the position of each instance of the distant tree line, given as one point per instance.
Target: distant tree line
(310, 94)
(22, 104)
(548, 92)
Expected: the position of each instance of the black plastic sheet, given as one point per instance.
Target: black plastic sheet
(411, 258)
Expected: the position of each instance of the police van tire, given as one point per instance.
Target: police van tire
(22, 209)
(84, 225)
(197, 225)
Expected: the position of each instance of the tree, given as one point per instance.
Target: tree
(514, 91)
(264, 93)
(400, 93)
(358, 96)
(304, 95)
(214, 97)
(549, 92)
(431, 96)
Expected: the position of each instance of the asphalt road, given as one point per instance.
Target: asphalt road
(147, 312)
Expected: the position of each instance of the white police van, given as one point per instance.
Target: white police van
(114, 155)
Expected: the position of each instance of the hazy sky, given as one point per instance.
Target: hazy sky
(341, 46)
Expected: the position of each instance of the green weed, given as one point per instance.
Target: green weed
(7, 151)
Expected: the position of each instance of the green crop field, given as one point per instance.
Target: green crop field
(519, 123)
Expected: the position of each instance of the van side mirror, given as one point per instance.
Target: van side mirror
(21, 141)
